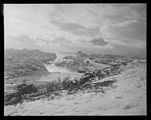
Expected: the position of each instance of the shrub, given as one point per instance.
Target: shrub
(49, 87)
(12, 98)
(23, 90)
(42, 91)
(66, 83)
(26, 89)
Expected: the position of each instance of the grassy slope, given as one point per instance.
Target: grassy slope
(39, 62)
(19, 63)
(128, 98)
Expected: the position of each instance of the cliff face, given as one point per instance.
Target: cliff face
(19, 63)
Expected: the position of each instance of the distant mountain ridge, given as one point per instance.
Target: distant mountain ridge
(37, 54)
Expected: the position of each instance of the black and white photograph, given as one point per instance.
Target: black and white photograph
(75, 59)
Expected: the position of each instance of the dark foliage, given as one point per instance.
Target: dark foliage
(28, 91)
(21, 91)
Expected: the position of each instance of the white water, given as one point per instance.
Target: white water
(53, 68)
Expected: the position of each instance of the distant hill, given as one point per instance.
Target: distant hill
(82, 61)
(81, 54)
(19, 63)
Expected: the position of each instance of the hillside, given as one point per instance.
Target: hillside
(125, 96)
(83, 62)
(19, 63)
(91, 84)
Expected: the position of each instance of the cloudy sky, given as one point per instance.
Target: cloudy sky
(96, 28)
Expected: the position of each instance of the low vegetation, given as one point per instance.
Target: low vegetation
(19, 63)
(26, 91)
(86, 62)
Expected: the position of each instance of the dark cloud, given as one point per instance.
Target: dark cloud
(76, 29)
(133, 31)
(127, 12)
(98, 42)
(140, 9)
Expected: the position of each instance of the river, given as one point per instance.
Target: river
(53, 68)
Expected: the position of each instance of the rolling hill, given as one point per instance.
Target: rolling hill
(19, 63)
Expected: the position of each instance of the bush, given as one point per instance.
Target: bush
(26, 89)
(12, 98)
(21, 91)
(49, 87)
(66, 83)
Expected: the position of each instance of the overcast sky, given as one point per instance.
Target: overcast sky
(97, 28)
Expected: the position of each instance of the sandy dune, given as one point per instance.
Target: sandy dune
(128, 97)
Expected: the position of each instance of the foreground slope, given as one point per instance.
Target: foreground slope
(127, 96)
